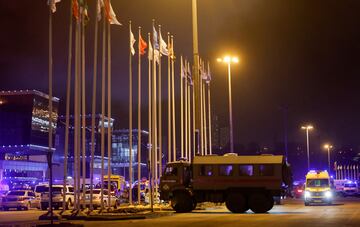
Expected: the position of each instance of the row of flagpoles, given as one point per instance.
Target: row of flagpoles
(349, 172)
(157, 48)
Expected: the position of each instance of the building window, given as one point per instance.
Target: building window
(246, 170)
(266, 170)
(206, 170)
(225, 170)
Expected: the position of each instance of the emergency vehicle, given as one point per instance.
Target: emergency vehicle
(317, 188)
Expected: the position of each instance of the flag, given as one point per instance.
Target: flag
(155, 53)
(132, 41)
(171, 51)
(203, 73)
(189, 77)
(75, 9)
(208, 79)
(142, 45)
(155, 39)
(183, 69)
(163, 47)
(157, 56)
(110, 14)
(150, 54)
(84, 10)
(52, 4)
(99, 5)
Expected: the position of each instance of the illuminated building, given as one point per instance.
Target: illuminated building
(24, 128)
(121, 154)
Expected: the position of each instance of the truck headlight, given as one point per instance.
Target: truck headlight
(307, 194)
(328, 194)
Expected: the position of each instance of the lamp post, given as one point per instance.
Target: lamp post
(228, 60)
(307, 128)
(328, 147)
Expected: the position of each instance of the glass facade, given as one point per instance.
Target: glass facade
(121, 153)
(24, 128)
(24, 119)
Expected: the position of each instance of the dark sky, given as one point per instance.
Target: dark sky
(301, 54)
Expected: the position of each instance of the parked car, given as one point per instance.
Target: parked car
(39, 189)
(350, 189)
(21, 199)
(298, 191)
(57, 197)
(96, 199)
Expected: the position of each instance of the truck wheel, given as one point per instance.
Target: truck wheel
(261, 203)
(236, 203)
(182, 202)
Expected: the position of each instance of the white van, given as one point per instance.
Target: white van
(57, 197)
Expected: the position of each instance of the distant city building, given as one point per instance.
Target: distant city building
(24, 128)
(121, 153)
(59, 155)
(119, 150)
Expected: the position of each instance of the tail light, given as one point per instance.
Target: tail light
(300, 190)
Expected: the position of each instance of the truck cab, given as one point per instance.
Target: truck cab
(176, 177)
(317, 188)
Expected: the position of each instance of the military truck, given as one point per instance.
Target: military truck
(242, 182)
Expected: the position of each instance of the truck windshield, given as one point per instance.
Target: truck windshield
(171, 171)
(317, 183)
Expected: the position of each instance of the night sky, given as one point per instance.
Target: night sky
(302, 55)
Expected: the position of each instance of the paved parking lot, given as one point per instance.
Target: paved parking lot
(344, 212)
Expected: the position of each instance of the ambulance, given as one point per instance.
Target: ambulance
(317, 188)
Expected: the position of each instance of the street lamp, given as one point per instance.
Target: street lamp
(328, 147)
(229, 60)
(307, 128)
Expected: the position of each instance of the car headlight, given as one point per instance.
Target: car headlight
(307, 194)
(328, 194)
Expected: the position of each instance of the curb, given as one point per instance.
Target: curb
(113, 217)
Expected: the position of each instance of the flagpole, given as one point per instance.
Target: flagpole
(160, 109)
(83, 107)
(139, 118)
(201, 110)
(181, 108)
(209, 109)
(93, 112)
(50, 139)
(150, 148)
(186, 116)
(67, 123)
(189, 123)
(130, 118)
(76, 119)
(169, 103)
(205, 119)
(103, 80)
(173, 99)
(155, 161)
(109, 127)
(193, 113)
(189, 118)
